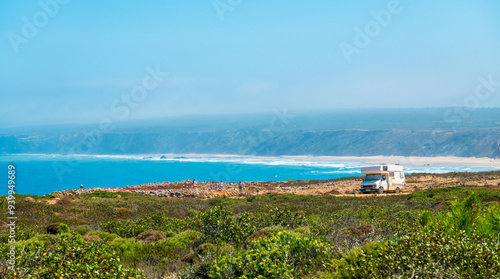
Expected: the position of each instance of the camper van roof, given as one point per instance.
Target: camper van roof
(382, 168)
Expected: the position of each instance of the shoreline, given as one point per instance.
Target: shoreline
(438, 161)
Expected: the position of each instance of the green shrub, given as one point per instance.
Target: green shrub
(192, 212)
(57, 228)
(82, 229)
(279, 216)
(172, 248)
(283, 255)
(127, 248)
(39, 240)
(104, 235)
(29, 244)
(200, 268)
(47, 239)
(180, 241)
(425, 218)
(464, 214)
(158, 221)
(437, 193)
(71, 257)
(90, 238)
(210, 249)
(62, 228)
(273, 229)
(426, 254)
(492, 218)
(201, 232)
(22, 233)
(303, 230)
(169, 249)
(218, 225)
(106, 194)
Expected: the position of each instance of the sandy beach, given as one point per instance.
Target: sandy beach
(439, 161)
(406, 161)
(411, 161)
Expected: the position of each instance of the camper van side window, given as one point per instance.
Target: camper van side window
(402, 175)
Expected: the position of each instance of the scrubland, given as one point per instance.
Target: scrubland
(447, 230)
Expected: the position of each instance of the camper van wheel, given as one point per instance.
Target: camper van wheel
(397, 190)
(380, 190)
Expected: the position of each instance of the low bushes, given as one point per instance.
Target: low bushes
(426, 254)
(57, 228)
(429, 234)
(104, 235)
(71, 257)
(106, 194)
(462, 243)
(466, 215)
(83, 229)
(127, 248)
(158, 221)
(217, 224)
(168, 249)
(285, 254)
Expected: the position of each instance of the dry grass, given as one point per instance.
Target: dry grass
(151, 236)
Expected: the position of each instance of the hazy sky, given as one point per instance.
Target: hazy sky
(83, 61)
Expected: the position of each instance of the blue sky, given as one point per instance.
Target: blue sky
(84, 56)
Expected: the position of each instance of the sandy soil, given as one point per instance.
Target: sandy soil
(336, 187)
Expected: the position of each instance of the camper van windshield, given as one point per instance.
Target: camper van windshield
(372, 177)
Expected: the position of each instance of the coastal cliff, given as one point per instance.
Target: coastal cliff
(415, 132)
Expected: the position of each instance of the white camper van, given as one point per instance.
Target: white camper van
(383, 178)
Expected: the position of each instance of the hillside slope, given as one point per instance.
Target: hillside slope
(415, 132)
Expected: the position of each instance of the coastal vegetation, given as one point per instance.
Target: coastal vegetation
(448, 232)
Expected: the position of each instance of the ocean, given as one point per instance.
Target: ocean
(43, 174)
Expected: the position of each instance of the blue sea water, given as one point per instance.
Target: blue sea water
(43, 174)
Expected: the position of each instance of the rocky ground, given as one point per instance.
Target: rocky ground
(339, 187)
